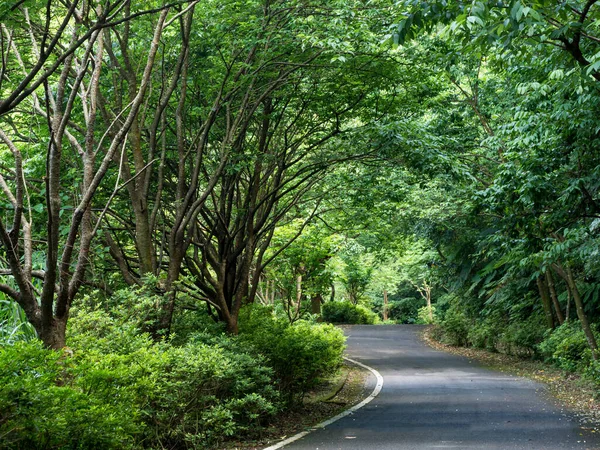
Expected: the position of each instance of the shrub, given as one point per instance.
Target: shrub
(117, 388)
(210, 388)
(427, 315)
(592, 372)
(485, 334)
(405, 310)
(208, 392)
(348, 313)
(566, 347)
(41, 407)
(522, 337)
(188, 325)
(300, 354)
(455, 327)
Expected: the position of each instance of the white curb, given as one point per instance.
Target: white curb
(374, 394)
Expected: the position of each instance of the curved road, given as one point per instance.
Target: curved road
(435, 400)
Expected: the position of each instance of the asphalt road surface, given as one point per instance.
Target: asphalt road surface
(435, 400)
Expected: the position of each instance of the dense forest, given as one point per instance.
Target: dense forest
(193, 192)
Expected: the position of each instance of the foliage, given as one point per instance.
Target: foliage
(347, 313)
(13, 324)
(427, 315)
(457, 168)
(486, 334)
(43, 403)
(456, 326)
(356, 273)
(124, 390)
(197, 391)
(566, 347)
(522, 337)
(405, 310)
(300, 353)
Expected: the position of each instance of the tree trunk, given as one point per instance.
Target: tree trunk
(428, 300)
(543, 290)
(315, 304)
(581, 314)
(232, 325)
(53, 333)
(298, 294)
(568, 311)
(272, 292)
(552, 289)
(385, 305)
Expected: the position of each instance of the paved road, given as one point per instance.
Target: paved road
(435, 400)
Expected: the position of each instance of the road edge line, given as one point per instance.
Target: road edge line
(376, 391)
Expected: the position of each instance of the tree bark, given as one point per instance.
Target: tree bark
(315, 303)
(555, 302)
(543, 290)
(581, 314)
(298, 293)
(428, 299)
(385, 305)
(567, 275)
(568, 311)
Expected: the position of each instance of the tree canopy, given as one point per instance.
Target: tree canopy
(213, 155)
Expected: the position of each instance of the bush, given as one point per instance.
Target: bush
(41, 407)
(300, 354)
(566, 347)
(117, 388)
(348, 313)
(209, 392)
(405, 310)
(592, 372)
(522, 337)
(427, 315)
(208, 389)
(485, 334)
(455, 327)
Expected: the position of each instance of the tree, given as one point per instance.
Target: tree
(70, 97)
(301, 269)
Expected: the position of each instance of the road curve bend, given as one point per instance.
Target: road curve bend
(435, 400)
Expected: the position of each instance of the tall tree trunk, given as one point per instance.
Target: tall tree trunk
(567, 275)
(428, 300)
(298, 294)
(568, 311)
(552, 289)
(543, 290)
(54, 336)
(581, 314)
(315, 304)
(385, 305)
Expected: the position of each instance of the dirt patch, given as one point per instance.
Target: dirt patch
(340, 392)
(568, 390)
